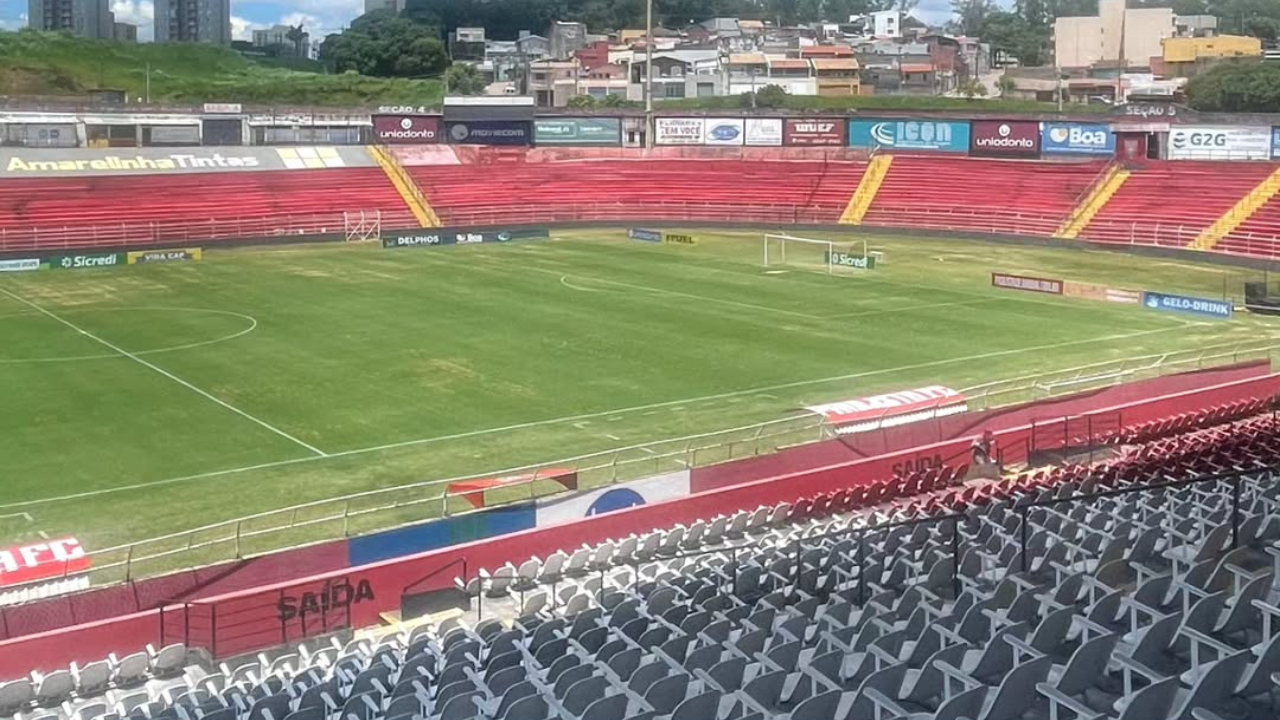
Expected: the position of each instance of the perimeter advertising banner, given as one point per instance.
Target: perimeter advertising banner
(1275, 143)
(42, 561)
(724, 131)
(1216, 142)
(427, 237)
(1058, 138)
(764, 132)
(611, 499)
(1005, 138)
(928, 135)
(1026, 283)
(815, 132)
(82, 261)
(20, 265)
(1204, 307)
(577, 131)
(406, 129)
(678, 131)
(489, 132)
(165, 256)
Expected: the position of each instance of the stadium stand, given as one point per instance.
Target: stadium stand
(75, 212)
(1139, 588)
(966, 194)
(1258, 236)
(757, 190)
(1170, 203)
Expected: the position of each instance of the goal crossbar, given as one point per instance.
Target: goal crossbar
(778, 243)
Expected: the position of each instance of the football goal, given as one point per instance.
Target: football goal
(825, 256)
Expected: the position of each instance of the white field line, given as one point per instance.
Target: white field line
(588, 416)
(155, 368)
(910, 308)
(253, 325)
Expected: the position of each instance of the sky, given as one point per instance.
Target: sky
(320, 17)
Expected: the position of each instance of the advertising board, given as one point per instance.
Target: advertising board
(814, 132)
(489, 132)
(1005, 138)
(723, 131)
(848, 259)
(910, 135)
(406, 129)
(678, 131)
(1204, 307)
(611, 499)
(1101, 293)
(20, 265)
(1058, 138)
(577, 131)
(41, 561)
(891, 409)
(643, 235)
(165, 256)
(764, 132)
(1275, 143)
(1026, 283)
(83, 261)
(427, 237)
(1217, 142)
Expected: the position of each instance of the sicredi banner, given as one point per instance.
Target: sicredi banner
(1024, 282)
(910, 135)
(764, 132)
(406, 129)
(42, 561)
(20, 265)
(814, 132)
(489, 132)
(427, 237)
(678, 131)
(723, 131)
(1077, 139)
(84, 261)
(1005, 138)
(577, 131)
(848, 259)
(141, 257)
(1216, 142)
(1204, 307)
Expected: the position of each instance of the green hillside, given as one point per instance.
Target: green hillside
(41, 64)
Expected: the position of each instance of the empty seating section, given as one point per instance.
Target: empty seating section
(165, 208)
(1169, 204)
(1045, 595)
(985, 196)
(754, 190)
(1258, 236)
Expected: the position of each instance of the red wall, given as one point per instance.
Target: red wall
(249, 620)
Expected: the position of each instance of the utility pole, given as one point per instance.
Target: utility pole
(648, 74)
(148, 82)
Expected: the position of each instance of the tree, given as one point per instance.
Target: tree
(1012, 33)
(298, 37)
(1005, 85)
(613, 100)
(464, 80)
(971, 15)
(769, 96)
(582, 102)
(1263, 28)
(1236, 88)
(383, 44)
(972, 88)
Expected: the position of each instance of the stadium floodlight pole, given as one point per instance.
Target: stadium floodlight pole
(648, 74)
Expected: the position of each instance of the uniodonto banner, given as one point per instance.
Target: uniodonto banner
(891, 409)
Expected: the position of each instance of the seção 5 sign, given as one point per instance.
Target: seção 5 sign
(1005, 138)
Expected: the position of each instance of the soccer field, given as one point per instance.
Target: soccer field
(150, 399)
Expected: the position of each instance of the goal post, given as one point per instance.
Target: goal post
(807, 253)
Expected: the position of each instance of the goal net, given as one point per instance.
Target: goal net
(826, 256)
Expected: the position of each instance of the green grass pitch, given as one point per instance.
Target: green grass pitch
(145, 400)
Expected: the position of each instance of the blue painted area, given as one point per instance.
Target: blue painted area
(1275, 143)
(1204, 307)
(910, 135)
(441, 533)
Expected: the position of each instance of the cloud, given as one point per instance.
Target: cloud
(242, 29)
(137, 12)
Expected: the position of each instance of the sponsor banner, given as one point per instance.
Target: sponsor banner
(1077, 139)
(163, 256)
(1216, 142)
(910, 135)
(1125, 297)
(473, 491)
(848, 259)
(1204, 307)
(765, 132)
(489, 132)
(22, 265)
(577, 131)
(891, 409)
(406, 129)
(1005, 138)
(1100, 293)
(645, 235)
(678, 239)
(76, 162)
(223, 108)
(678, 131)
(1275, 143)
(1029, 284)
(811, 132)
(723, 131)
(611, 499)
(42, 561)
(85, 260)
(426, 237)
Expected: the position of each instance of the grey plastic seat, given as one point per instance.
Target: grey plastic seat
(613, 707)
(93, 678)
(15, 695)
(1016, 694)
(55, 688)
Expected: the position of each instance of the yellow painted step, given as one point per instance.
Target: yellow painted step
(862, 198)
(1238, 214)
(1102, 192)
(408, 189)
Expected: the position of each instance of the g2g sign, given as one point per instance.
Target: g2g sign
(1196, 142)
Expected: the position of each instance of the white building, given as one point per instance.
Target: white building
(886, 23)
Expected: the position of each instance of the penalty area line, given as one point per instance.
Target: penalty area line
(156, 368)
(589, 416)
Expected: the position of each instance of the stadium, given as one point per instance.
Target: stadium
(495, 414)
